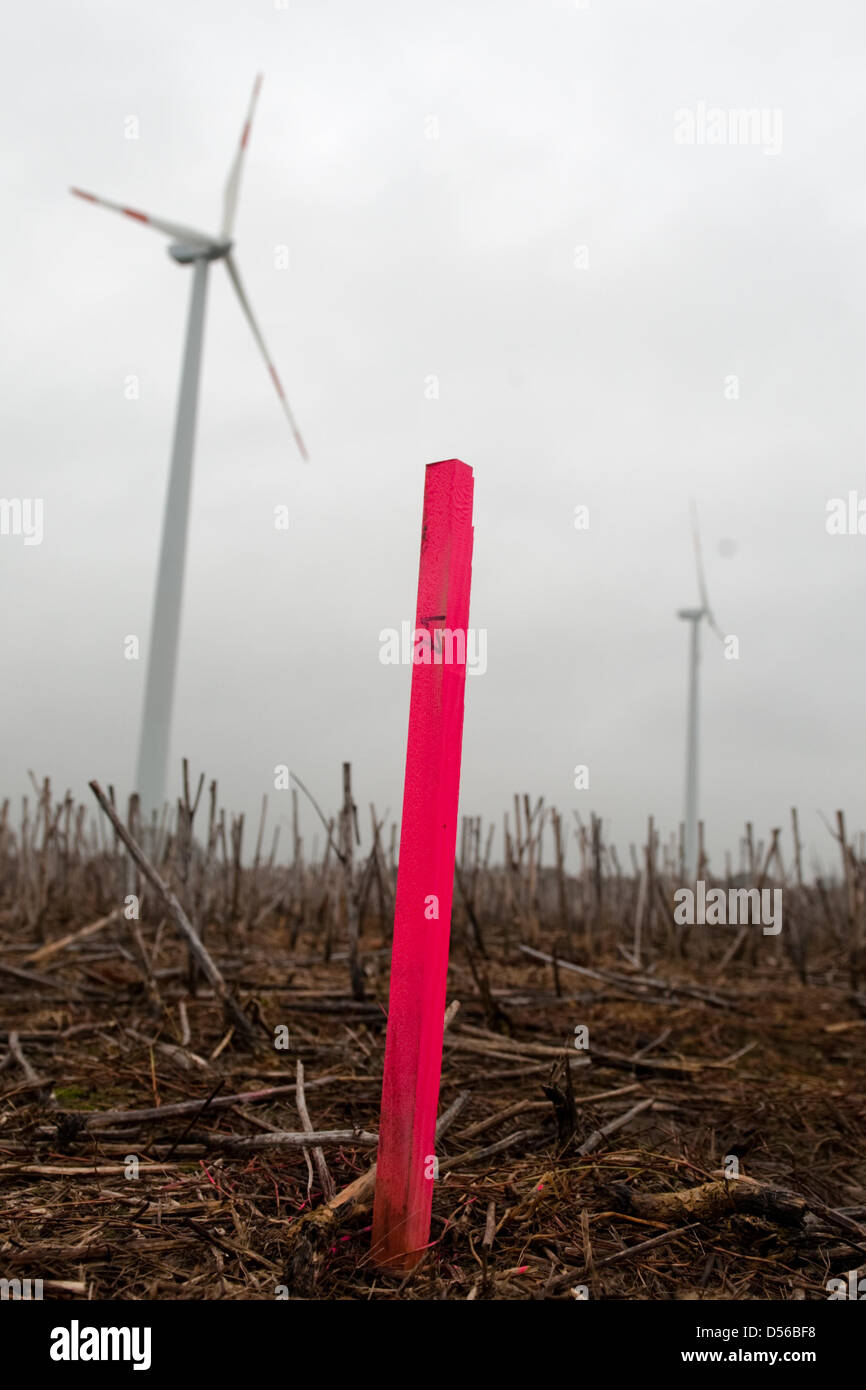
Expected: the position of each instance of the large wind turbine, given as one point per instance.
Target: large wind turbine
(197, 249)
(694, 616)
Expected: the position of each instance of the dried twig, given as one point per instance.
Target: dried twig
(328, 1189)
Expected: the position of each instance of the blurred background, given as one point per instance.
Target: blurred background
(467, 230)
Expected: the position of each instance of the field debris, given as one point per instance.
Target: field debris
(655, 1113)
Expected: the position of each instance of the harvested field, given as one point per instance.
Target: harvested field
(707, 1142)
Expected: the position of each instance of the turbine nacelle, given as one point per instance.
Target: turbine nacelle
(185, 253)
(692, 615)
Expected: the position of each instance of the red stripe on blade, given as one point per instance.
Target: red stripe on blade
(276, 381)
(139, 216)
(79, 193)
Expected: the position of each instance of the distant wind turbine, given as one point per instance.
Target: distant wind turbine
(198, 249)
(694, 616)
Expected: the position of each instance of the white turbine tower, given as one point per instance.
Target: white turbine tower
(694, 616)
(197, 249)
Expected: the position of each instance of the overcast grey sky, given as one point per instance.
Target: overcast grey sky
(565, 377)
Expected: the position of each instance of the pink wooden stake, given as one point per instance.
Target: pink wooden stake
(425, 873)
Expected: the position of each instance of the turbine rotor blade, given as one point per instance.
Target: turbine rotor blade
(232, 269)
(233, 183)
(702, 583)
(173, 229)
